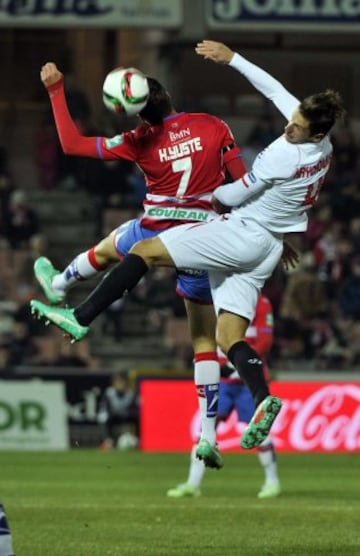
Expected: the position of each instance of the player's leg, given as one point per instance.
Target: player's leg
(202, 323)
(56, 283)
(231, 333)
(200, 246)
(191, 488)
(267, 459)
(188, 243)
(266, 453)
(197, 468)
(231, 339)
(109, 250)
(123, 277)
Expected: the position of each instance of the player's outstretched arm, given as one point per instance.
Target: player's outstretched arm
(71, 140)
(215, 51)
(260, 79)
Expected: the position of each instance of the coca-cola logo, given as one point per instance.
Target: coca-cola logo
(326, 418)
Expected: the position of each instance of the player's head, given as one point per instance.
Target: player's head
(314, 117)
(159, 104)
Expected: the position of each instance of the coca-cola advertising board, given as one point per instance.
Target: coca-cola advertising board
(315, 417)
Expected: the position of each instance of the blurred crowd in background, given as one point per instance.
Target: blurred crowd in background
(316, 306)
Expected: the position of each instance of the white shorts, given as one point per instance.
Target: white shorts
(238, 253)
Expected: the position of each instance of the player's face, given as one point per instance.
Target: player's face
(297, 130)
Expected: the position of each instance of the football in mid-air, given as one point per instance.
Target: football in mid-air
(125, 90)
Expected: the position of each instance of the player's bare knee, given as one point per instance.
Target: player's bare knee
(145, 250)
(105, 252)
(153, 252)
(225, 338)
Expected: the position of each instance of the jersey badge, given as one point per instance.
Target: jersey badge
(114, 141)
(269, 319)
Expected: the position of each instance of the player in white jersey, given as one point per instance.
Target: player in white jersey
(241, 250)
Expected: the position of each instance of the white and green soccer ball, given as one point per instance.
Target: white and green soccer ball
(127, 441)
(125, 90)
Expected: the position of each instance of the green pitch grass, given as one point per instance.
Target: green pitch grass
(89, 503)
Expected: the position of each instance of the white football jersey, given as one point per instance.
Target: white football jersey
(292, 174)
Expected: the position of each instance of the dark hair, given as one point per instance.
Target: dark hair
(322, 110)
(159, 104)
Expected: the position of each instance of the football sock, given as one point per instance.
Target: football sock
(267, 458)
(196, 469)
(84, 266)
(250, 368)
(123, 277)
(207, 378)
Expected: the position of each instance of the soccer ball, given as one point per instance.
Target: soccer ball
(125, 90)
(127, 441)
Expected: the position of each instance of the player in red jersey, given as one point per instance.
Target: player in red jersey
(235, 395)
(184, 157)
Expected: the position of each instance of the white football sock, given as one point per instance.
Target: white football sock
(207, 378)
(196, 469)
(267, 458)
(79, 269)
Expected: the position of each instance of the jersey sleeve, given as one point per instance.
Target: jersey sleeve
(119, 146)
(74, 143)
(235, 193)
(273, 165)
(284, 101)
(231, 152)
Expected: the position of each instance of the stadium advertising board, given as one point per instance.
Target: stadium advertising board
(91, 13)
(272, 15)
(83, 391)
(315, 417)
(33, 415)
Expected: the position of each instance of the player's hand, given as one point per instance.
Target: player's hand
(290, 258)
(219, 207)
(49, 74)
(215, 51)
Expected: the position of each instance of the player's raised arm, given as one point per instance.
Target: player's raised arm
(71, 140)
(260, 79)
(50, 74)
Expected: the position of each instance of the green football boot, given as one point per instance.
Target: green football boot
(261, 423)
(45, 273)
(63, 318)
(270, 490)
(184, 491)
(209, 454)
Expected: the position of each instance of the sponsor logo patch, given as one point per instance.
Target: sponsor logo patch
(114, 141)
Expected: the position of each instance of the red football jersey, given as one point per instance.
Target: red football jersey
(183, 161)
